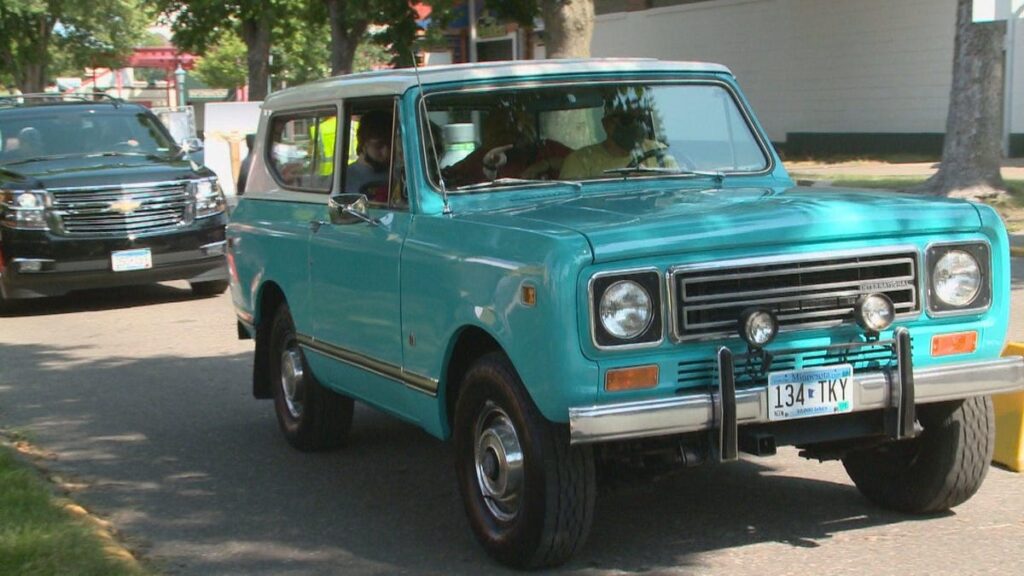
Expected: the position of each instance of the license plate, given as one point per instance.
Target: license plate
(126, 260)
(810, 392)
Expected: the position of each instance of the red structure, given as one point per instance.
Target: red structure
(166, 58)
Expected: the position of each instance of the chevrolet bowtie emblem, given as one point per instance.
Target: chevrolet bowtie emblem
(125, 206)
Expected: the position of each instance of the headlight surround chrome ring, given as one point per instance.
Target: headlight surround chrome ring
(956, 278)
(625, 310)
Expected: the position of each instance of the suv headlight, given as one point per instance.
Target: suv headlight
(959, 279)
(626, 308)
(208, 197)
(24, 209)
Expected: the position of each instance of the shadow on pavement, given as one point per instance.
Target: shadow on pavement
(193, 472)
(99, 300)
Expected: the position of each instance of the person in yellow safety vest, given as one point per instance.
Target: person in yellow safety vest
(328, 128)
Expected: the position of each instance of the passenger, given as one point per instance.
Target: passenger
(26, 145)
(369, 173)
(510, 150)
(626, 143)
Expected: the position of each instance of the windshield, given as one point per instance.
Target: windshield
(589, 132)
(55, 132)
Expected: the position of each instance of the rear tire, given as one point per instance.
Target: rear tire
(311, 417)
(528, 494)
(209, 288)
(939, 469)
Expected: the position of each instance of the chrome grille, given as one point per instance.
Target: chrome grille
(801, 292)
(122, 211)
(751, 371)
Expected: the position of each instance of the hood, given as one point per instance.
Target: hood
(84, 171)
(648, 223)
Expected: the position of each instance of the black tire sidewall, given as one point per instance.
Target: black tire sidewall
(282, 334)
(511, 542)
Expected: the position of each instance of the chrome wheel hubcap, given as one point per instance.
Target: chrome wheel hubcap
(499, 462)
(292, 382)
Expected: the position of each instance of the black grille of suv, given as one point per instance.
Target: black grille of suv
(122, 211)
(802, 292)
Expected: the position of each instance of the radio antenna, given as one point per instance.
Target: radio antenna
(430, 134)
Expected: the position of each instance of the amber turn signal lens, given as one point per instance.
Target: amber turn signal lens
(958, 343)
(635, 378)
(529, 295)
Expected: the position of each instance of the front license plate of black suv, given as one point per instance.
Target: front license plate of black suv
(810, 392)
(127, 260)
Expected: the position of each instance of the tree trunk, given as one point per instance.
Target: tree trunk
(345, 37)
(256, 34)
(568, 27)
(34, 55)
(971, 152)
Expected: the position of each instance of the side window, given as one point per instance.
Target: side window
(371, 129)
(301, 149)
(399, 193)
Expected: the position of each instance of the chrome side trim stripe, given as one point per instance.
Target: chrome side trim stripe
(697, 412)
(396, 373)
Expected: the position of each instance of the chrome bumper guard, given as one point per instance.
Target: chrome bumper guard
(896, 391)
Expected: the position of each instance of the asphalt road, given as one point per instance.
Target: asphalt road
(140, 400)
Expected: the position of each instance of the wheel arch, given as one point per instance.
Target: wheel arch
(269, 298)
(468, 345)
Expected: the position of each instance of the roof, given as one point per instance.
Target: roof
(396, 81)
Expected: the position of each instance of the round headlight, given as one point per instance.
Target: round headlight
(875, 312)
(625, 310)
(758, 327)
(27, 200)
(956, 278)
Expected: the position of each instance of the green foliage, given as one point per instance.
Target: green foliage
(223, 66)
(520, 11)
(38, 538)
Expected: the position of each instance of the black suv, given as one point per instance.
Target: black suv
(95, 193)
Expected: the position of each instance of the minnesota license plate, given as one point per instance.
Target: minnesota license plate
(126, 260)
(810, 392)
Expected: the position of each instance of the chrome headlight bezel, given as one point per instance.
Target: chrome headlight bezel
(982, 300)
(649, 280)
(24, 209)
(207, 196)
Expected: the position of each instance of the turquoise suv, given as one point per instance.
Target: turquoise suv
(571, 265)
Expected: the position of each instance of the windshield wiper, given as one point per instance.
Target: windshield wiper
(641, 169)
(515, 181)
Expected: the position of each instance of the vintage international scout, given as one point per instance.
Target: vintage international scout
(565, 263)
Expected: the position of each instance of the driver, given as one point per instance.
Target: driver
(625, 144)
(373, 145)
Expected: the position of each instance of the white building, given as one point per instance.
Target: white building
(853, 76)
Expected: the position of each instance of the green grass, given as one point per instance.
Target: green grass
(37, 537)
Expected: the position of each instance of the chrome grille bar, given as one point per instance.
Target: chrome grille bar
(121, 211)
(803, 291)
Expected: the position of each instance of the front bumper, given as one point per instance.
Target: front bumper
(51, 277)
(723, 409)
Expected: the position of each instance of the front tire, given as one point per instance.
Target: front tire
(528, 494)
(311, 417)
(939, 469)
(209, 288)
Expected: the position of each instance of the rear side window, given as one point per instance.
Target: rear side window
(301, 149)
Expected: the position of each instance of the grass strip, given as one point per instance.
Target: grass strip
(40, 535)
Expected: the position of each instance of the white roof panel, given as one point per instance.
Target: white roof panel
(396, 81)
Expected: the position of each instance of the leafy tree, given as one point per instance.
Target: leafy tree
(568, 24)
(199, 24)
(971, 151)
(223, 66)
(98, 33)
(351, 20)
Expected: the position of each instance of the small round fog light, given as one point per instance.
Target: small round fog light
(874, 312)
(758, 327)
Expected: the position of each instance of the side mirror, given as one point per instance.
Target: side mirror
(191, 144)
(349, 209)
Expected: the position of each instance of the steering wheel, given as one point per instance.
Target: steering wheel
(684, 161)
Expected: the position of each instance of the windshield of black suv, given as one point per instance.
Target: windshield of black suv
(592, 131)
(63, 131)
